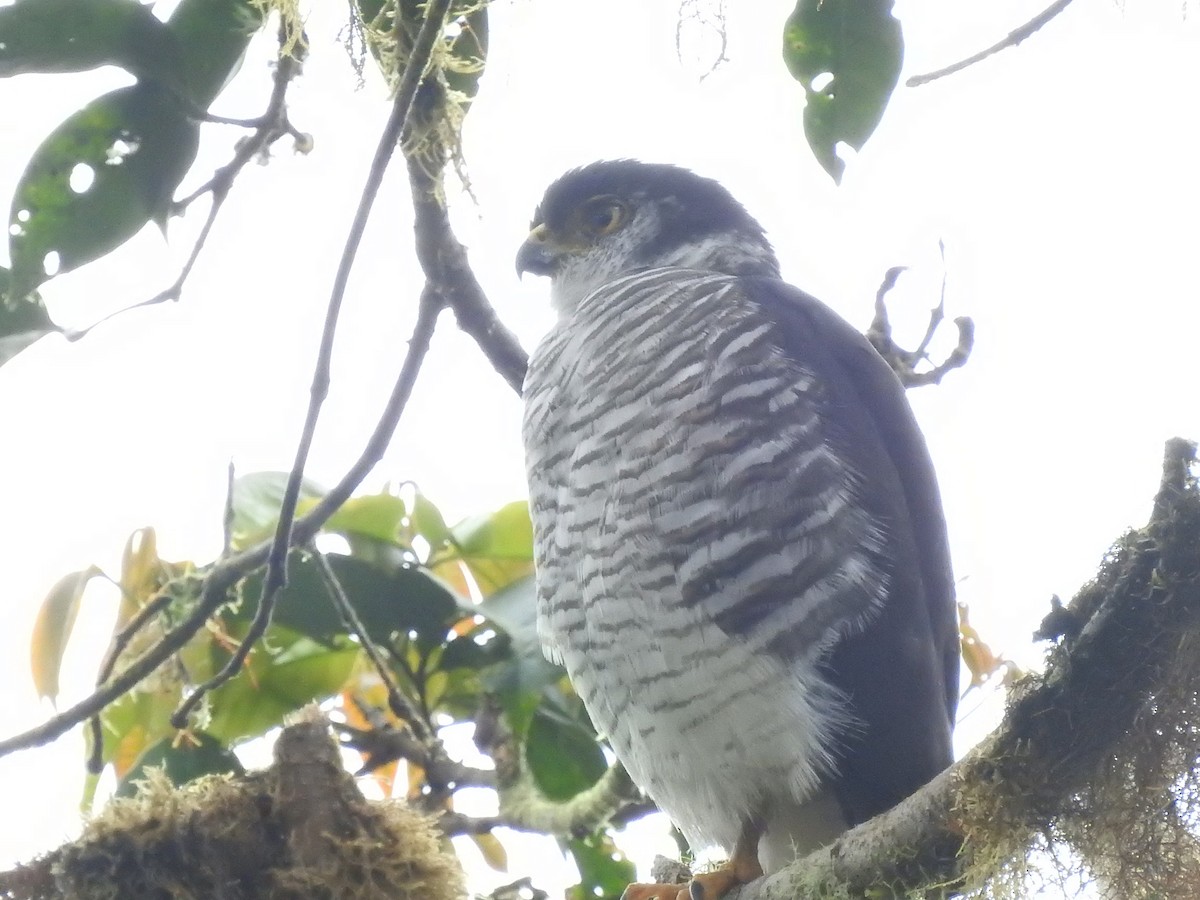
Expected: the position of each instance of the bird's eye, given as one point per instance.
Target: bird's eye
(602, 215)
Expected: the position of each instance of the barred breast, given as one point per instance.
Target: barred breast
(697, 542)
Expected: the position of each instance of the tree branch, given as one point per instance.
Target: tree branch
(1013, 38)
(445, 263)
(276, 576)
(1067, 730)
(227, 572)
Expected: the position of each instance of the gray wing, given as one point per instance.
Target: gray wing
(900, 672)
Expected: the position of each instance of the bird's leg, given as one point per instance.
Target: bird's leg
(742, 868)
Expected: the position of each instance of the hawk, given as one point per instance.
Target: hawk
(740, 550)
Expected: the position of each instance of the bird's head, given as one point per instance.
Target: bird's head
(613, 217)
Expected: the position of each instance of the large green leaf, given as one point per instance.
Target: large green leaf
(213, 35)
(847, 54)
(563, 757)
(23, 320)
(124, 153)
(284, 673)
(405, 600)
(497, 547)
(74, 36)
(183, 759)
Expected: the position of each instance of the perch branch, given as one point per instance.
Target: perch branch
(276, 576)
(1061, 730)
(1014, 37)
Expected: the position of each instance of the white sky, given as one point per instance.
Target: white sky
(1062, 176)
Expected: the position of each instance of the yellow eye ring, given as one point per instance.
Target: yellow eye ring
(601, 216)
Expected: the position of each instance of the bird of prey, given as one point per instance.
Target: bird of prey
(740, 550)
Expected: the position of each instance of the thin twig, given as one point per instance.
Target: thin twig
(226, 573)
(276, 576)
(157, 603)
(269, 127)
(1013, 38)
(397, 702)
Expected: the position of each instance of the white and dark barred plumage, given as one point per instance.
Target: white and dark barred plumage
(741, 556)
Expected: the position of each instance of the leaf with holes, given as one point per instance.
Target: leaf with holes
(96, 181)
(23, 320)
(847, 54)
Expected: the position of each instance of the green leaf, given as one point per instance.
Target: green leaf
(23, 320)
(52, 629)
(398, 601)
(861, 45)
(214, 35)
(376, 516)
(285, 672)
(563, 757)
(135, 144)
(427, 521)
(74, 36)
(257, 497)
(521, 679)
(182, 759)
(604, 871)
(497, 547)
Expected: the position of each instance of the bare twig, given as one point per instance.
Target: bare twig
(1013, 38)
(397, 702)
(276, 576)
(445, 263)
(269, 127)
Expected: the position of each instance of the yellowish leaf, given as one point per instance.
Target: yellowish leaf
(52, 629)
(493, 851)
(141, 573)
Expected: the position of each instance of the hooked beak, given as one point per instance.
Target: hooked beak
(538, 255)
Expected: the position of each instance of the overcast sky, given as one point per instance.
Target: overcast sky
(1062, 177)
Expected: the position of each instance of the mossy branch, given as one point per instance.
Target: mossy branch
(1097, 752)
